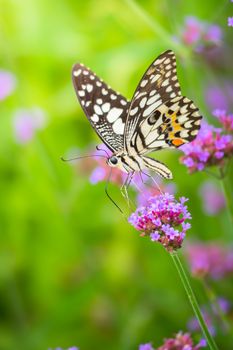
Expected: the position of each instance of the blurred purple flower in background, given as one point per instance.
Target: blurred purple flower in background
(213, 200)
(7, 84)
(200, 34)
(26, 122)
(72, 348)
(182, 341)
(219, 97)
(230, 21)
(212, 260)
(163, 219)
(146, 346)
(225, 119)
(211, 315)
(210, 147)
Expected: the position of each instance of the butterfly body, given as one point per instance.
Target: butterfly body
(157, 117)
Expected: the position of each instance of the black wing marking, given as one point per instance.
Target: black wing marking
(172, 124)
(158, 85)
(105, 108)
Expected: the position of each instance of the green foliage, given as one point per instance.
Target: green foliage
(72, 271)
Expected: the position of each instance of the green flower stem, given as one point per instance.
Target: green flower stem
(159, 30)
(228, 197)
(193, 301)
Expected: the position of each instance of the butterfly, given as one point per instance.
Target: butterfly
(157, 117)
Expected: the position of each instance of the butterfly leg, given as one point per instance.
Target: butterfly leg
(153, 180)
(124, 187)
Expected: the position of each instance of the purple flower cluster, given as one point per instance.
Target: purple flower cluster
(225, 119)
(210, 147)
(211, 260)
(164, 220)
(211, 315)
(182, 341)
(219, 96)
(230, 21)
(7, 84)
(213, 200)
(26, 122)
(72, 348)
(200, 34)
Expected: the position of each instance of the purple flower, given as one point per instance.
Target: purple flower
(7, 84)
(181, 341)
(225, 119)
(211, 260)
(72, 348)
(163, 219)
(26, 122)
(146, 346)
(210, 147)
(97, 175)
(213, 200)
(199, 34)
(211, 315)
(230, 21)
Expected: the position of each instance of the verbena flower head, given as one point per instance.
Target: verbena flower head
(225, 119)
(230, 22)
(26, 122)
(213, 200)
(210, 147)
(182, 341)
(163, 219)
(211, 260)
(7, 84)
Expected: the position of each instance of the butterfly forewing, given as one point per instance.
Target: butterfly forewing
(158, 85)
(106, 109)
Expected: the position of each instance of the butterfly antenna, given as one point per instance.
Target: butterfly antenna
(103, 150)
(108, 195)
(76, 158)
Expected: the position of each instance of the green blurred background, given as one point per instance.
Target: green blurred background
(72, 271)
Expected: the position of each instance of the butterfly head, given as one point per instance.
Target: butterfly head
(113, 161)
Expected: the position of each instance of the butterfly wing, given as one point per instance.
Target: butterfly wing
(171, 125)
(158, 85)
(106, 109)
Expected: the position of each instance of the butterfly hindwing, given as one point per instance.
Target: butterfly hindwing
(158, 85)
(171, 125)
(105, 108)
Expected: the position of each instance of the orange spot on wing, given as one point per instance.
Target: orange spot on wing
(177, 142)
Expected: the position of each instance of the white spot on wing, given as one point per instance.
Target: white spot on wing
(144, 82)
(133, 111)
(118, 127)
(114, 114)
(98, 110)
(89, 87)
(143, 102)
(81, 93)
(77, 72)
(95, 118)
(153, 99)
(104, 91)
(150, 109)
(106, 107)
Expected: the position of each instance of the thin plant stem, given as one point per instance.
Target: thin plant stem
(157, 28)
(193, 301)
